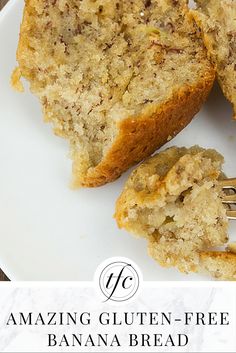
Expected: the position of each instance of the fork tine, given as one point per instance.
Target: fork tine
(228, 183)
(231, 215)
(231, 199)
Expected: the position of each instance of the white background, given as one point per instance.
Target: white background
(161, 297)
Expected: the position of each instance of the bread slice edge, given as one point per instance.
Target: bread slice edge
(140, 136)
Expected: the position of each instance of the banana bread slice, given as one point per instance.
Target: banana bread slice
(174, 200)
(217, 19)
(115, 78)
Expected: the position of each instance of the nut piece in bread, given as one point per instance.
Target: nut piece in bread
(175, 201)
(115, 78)
(217, 19)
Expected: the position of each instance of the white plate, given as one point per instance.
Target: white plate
(47, 231)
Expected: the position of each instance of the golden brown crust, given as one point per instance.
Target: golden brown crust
(221, 264)
(219, 255)
(139, 137)
(23, 40)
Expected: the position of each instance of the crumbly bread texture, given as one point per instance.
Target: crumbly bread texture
(115, 78)
(217, 19)
(174, 200)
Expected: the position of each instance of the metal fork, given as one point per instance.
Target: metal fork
(229, 184)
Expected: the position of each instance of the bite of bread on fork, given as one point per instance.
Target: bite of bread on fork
(180, 201)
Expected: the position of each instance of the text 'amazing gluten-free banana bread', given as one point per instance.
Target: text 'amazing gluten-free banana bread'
(115, 78)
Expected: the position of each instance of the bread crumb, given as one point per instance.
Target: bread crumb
(15, 80)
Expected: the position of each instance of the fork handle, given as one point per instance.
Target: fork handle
(231, 215)
(228, 183)
(230, 199)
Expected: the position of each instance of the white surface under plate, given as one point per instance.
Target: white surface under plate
(49, 232)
